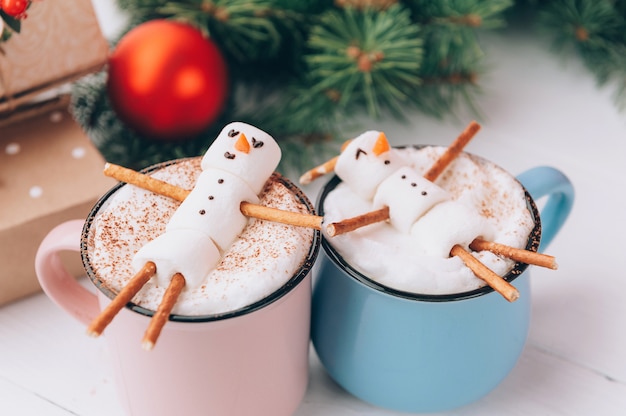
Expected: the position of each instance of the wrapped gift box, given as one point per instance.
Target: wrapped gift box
(49, 173)
(59, 41)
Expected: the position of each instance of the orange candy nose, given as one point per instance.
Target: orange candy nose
(242, 144)
(381, 146)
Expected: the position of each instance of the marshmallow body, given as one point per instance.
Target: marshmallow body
(253, 165)
(446, 224)
(362, 169)
(212, 207)
(408, 196)
(189, 252)
(235, 168)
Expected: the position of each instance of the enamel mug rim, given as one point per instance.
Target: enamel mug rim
(518, 268)
(292, 283)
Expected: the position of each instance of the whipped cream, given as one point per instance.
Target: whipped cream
(263, 257)
(472, 198)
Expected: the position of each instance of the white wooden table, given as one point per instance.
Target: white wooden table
(538, 110)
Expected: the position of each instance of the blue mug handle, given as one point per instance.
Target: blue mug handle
(548, 181)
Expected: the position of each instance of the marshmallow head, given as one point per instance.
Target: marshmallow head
(189, 252)
(447, 224)
(408, 196)
(245, 151)
(212, 207)
(366, 162)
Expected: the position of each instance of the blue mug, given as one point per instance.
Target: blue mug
(427, 353)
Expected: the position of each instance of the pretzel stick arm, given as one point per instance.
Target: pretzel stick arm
(318, 171)
(97, 326)
(157, 186)
(455, 148)
(161, 316)
(351, 224)
(497, 283)
(144, 181)
(278, 215)
(322, 169)
(523, 256)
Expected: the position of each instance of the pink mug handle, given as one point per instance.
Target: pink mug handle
(56, 281)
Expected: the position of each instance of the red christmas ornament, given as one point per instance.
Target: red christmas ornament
(14, 8)
(166, 80)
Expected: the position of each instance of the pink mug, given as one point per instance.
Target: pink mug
(250, 361)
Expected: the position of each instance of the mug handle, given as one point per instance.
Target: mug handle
(60, 286)
(548, 181)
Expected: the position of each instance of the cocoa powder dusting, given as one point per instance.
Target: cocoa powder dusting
(264, 256)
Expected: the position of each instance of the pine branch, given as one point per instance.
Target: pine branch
(453, 56)
(596, 31)
(369, 57)
(246, 30)
(460, 13)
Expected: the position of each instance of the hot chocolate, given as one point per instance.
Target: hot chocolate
(258, 262)
(411, 252)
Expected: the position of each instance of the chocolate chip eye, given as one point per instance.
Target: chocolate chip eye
(233, 133)
(256, 143)
(359, 152)
(403, 176)
(424, 193)
(202, 212)
(211, 197)
(229, 155)
(220, 180)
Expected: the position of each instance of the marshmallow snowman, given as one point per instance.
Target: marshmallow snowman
(417, 206)
(366, 161)
(428, 213)
(409, 196)
(246, 152)
(189, 252)
(213, 207)
(234, 169)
